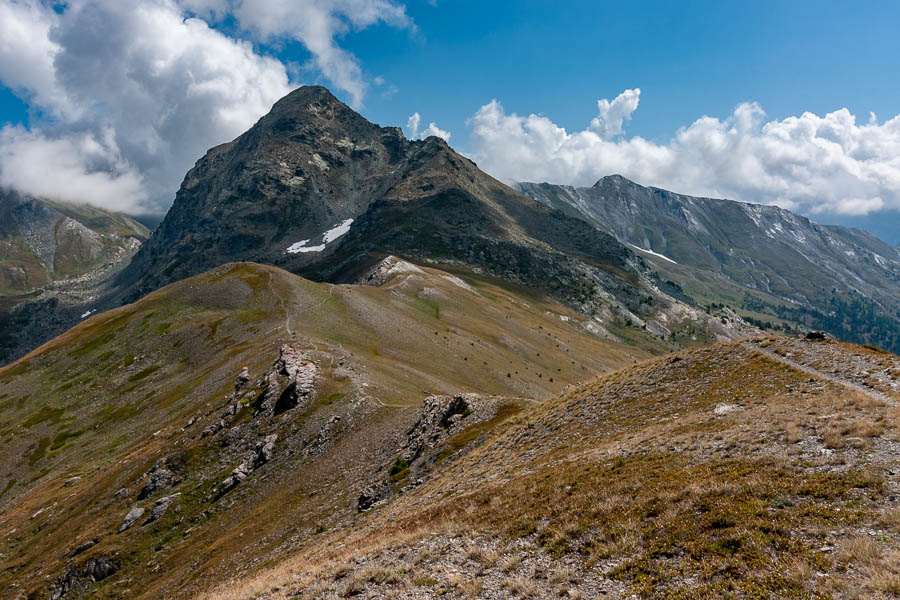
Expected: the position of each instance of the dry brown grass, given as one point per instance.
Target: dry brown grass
(638, 466)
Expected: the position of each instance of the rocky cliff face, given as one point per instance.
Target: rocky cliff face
(841, 279)
(315, 188)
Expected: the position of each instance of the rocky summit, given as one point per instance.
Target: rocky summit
(352, 365)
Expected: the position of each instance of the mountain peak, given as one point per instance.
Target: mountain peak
(614, 179)
(306, 94)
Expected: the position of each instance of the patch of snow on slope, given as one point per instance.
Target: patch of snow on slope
(656, 254)
(327, 237)
(337, 231)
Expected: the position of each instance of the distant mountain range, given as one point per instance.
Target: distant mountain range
(765, 261)
(318, 190)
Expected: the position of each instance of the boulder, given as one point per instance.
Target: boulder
(78, 578)
(159, 509)
(131, 518)
(158, 478)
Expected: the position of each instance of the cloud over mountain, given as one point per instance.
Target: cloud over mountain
(412, 129)
(127, 94)
(809, 163)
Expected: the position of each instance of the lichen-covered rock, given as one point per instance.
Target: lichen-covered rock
(261, 454)
(300, 385)
(131, 518)
(372, 495)
(438, 415)
(159, 509)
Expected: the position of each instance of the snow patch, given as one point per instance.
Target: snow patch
(327, 237)
(656, 254)
(337, 231)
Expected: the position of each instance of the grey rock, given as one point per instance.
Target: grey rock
(262, 453)
(242, 379)
(77, 579)
(158, 478)
(82, 547)
(131, 518)
(160, 507)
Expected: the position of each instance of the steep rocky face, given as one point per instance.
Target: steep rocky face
(841, 279)
(305, 168)
(315, 188)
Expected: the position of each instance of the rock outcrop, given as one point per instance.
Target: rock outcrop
(260, 455)
(78, 578)
(132, 517)
(440, 418)
(158, 478)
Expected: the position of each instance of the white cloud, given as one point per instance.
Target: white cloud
(809, 163)
(153, 86)
(611, 115)
(25, 160)
(412, 125)
(27, 53)
(316, 24)
(412, 129)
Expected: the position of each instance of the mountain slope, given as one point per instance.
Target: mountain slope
(762, 259)
(247, 431)
(42, 241)
(137, 405)
(315, 188)
(716, 473)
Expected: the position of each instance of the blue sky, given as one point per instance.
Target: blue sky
(554, 60)
(689, 58)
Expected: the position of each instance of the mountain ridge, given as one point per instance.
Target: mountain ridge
(315, 188)
(789, 267)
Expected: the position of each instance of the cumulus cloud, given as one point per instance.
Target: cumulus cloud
(611, 115)
(86, 169)
(412, 129)
(809, 163)
(137, 90)
(316, 24)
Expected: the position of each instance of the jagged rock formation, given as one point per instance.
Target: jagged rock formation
(763, 259)
(78, 579)
(440, 418)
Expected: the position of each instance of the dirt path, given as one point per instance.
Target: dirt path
(875, 394)
(287, 312)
